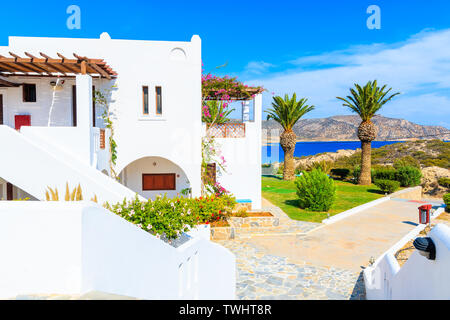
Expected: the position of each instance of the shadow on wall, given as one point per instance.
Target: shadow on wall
(152, 176)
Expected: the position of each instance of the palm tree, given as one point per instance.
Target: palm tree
(366, 102)
(287, 112)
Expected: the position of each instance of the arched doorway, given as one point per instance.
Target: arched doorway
(152, 176)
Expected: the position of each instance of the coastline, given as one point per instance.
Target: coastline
(267, 142)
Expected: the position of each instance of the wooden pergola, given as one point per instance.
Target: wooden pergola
(235, 95)
(45, 66)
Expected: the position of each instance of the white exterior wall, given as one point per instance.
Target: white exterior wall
(418, 279)
(243, 160)
(74, 248)
(175, 66)
(132, 176)
(61, 116)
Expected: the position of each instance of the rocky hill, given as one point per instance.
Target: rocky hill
(344, 128)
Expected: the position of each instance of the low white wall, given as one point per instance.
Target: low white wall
(355, 210)
(75, 248)
(418, 278)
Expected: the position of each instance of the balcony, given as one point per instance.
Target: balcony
(226, 130)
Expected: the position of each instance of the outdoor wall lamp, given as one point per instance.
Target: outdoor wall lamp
(426, 247)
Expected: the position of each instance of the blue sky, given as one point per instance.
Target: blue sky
(315, 48)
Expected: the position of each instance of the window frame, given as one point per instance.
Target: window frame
(159, 114)
(25, 93)
(145, 101)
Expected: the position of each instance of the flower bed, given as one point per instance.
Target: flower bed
(168, 218)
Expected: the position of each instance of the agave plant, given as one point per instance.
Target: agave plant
(287, 112)
(366, 102)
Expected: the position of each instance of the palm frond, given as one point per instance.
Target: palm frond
(288, 110)
(368, 100)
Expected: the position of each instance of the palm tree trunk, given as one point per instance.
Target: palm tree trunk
(288, 171)
(365, 177)
(288, 139)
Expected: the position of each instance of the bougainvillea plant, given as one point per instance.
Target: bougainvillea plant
(102, 99)
(226, 88)
(217, 94)
(211, 153)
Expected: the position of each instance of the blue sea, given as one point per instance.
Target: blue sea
(274, 153)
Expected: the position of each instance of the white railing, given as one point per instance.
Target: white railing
(227, 130)
(99, 251)
(418, 278)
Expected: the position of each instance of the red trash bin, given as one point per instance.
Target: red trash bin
(424, 213)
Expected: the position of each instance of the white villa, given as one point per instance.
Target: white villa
(53, 96)
(52, 130)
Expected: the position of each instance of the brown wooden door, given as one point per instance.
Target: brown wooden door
(212, 172)
(9, 192)
(158, 181)
(1, 109)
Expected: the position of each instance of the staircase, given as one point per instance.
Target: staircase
(34, 165)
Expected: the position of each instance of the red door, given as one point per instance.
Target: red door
(22, 120)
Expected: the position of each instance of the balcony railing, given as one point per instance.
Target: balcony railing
(227, 130)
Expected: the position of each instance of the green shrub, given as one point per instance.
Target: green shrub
(384, 173)
(316, 191)
(409, 176)
(324, 166)
(280, 169)
(447, 201)
(406, 161)
(444, 182)
(340, 172)
(357, 172)
(164, 217)
(388, 186)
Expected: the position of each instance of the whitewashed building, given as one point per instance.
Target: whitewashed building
(52, 130)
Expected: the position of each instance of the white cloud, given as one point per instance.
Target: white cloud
(419, 68)
(257, 67)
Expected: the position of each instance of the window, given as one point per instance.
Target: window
(29, 92)
(158, 181)
(145, 100)
(158, 100)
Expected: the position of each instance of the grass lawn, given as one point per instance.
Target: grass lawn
(283, 194)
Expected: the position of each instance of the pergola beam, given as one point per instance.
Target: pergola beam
(46, 65)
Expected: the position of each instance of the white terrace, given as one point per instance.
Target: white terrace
(153, 89)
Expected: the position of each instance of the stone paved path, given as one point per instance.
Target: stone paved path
(315, 261)
(268, 277)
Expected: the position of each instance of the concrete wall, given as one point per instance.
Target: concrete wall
(73, 248)
(414, 193)
(61, 115)
(243, 160)
(132, 176)
(418, 279)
